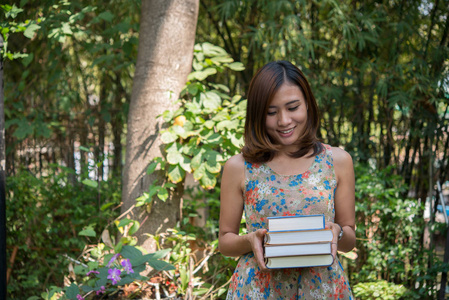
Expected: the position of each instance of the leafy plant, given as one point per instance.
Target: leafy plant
(379, 290)
(205, 131)
(107, 268)
(9, 26)
(44, 216)
(390, 231)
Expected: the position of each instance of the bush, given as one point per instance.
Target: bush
(379, 290)
(390, 232)
(44, 216)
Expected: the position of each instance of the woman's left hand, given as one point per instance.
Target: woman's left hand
(336, 231)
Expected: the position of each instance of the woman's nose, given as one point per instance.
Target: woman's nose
(283, 119)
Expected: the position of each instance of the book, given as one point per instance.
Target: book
(296, 237)
(321, 260)
(297, 249)
(298, 222)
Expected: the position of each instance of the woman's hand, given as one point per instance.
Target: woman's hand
(336, 229)
(256, 240)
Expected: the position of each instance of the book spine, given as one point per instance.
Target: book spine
(296, 243)
(291, 230)
(267, 261)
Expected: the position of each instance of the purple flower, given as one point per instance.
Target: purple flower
(92, 272)
(79, 297)
(114, 275)
(114, 257)
(101, 290)
(127, 265)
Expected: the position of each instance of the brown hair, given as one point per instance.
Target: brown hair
(259, 148)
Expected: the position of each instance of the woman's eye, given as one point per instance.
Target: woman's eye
(271, 113)
(293, 108)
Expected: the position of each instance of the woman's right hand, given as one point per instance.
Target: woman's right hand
(256, 240)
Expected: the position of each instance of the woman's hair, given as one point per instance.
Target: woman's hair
(259, 148)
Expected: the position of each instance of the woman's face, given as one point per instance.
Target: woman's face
(287, 116)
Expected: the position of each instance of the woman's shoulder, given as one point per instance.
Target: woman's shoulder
(236, 162)
(234, 171)
(341, 158)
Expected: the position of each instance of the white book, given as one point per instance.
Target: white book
(302, 261)
(298, 222)
(296, 237)
(297, 249)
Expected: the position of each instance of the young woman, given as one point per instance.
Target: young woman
(284, 170)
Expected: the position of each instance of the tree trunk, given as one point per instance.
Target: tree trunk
(167, 36)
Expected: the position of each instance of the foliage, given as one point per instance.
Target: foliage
(67, 75)
(379, 290)
(389, 230)
(107, 268)
(44, 216)
(10, 26)
(379, 71)
(205, 131)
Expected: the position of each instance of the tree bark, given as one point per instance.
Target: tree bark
(164, 59)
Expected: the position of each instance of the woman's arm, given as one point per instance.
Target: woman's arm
(231, 209)
(344, 200)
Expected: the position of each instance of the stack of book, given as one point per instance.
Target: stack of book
(298, 241)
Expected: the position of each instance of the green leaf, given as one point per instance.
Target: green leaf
(174, 157)
(12, 11)
(89, 231)
(236, 66)
(237, 141)
(192, 89)
(193, 108)
(152, 167)
(215, 139)
(159, 254)
(185, 164)
(90, 182)
(106, 15)
(221, 59)
(24, 129)
(168, 137)
(211, 100)
(72, 291)
(183, 276)
(209, 124)
(179, 131)
(124, 222)
(134, 228)
(163, 194)
(106, 206)
(118, 247)
(28, 59)
(197, 159)
(176, 174)
(201, 75)
(199, 172)
(145, 198)
(133, 254)
(31, 30)
(66, 29)
(153, 190)
(212, 50)
(213, 166)
(208, 181)
(212, 155)
(161, 265)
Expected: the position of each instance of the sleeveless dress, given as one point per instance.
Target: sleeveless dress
(271, 194)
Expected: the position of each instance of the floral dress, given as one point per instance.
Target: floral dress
(271, 194)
